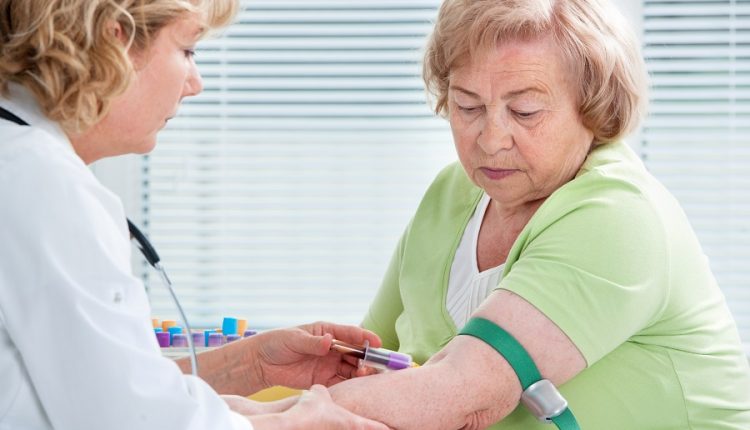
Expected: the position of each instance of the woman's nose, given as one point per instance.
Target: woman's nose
(496, 133)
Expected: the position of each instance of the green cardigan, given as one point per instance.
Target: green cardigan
(610, 258)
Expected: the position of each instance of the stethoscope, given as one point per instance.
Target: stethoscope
(148, 252)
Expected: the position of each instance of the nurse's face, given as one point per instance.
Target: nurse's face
(165, 74)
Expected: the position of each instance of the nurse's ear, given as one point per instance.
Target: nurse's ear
(116, 30)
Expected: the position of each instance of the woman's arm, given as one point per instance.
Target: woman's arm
(467, 384)
(312, 410)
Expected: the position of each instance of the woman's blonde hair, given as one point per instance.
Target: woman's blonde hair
(594, 39)
(67, 54)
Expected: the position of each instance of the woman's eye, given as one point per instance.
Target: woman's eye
(469, 109)
(524, 115)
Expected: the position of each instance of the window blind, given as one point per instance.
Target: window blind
(697, 137)
(280, 192)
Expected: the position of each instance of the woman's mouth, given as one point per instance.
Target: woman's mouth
(497, 174)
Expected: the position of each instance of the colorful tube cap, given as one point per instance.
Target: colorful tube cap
(179, 340)
(215, 339)
(163, 338)
(229, 326)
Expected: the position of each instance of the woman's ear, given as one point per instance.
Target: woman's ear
(114, 28)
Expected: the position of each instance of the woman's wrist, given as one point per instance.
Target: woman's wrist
(270, 422)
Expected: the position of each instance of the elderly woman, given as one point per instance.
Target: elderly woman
(83, 80)
(550, 239)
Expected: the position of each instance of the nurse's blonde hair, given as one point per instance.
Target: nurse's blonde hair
(67, 54)
(596, 44)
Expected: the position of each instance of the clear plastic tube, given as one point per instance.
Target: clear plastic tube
(378, 358)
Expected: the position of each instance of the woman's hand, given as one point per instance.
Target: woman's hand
(300, 357)
(315, 410)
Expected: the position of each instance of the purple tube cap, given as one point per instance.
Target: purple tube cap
(215, 339)
(198, 339)
(163, 338)
(398, 361)
(179, 340)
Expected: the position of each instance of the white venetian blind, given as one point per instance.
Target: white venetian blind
(279, 193)
(697, 138)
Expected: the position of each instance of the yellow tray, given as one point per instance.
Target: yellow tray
(274, 393)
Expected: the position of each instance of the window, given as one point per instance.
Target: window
(279, 194)
(697, 137)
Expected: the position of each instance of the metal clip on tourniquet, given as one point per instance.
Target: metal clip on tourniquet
(539, 396)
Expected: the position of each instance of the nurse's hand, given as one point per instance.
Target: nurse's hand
(299, 357)
(244, 406)
(315, 411)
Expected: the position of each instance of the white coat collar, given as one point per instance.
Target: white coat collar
(22, 103)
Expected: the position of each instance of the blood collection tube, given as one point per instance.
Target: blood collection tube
(179, 340)
(379, 358)
(163, 338)
(206, 334)
(166, 324)
(198, 339)
(229, 326)
(241, 326)
(215, 340)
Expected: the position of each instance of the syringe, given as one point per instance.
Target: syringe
(379, 358)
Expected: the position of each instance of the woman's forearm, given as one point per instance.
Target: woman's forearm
(402, 400)
(443, 394)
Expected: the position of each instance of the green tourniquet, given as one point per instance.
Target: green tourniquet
(516, 355)
(507, 346)
(566, 420)
(610, 258)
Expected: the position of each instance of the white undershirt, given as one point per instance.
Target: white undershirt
(467, 287)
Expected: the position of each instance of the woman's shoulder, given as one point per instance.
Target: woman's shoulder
(612, 194)
(41, 174)
(449, 198)
(32, 160)
(28, 148)
(614, 168)
(451, 175)
(451, 185)
(612, 179)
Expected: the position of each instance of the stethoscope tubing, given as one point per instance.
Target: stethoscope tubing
(149, 252)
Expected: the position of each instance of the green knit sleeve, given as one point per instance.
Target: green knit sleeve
(387, 305)
(594, 259)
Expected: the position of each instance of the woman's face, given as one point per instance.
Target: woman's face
(515, 122)
(165, 74)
